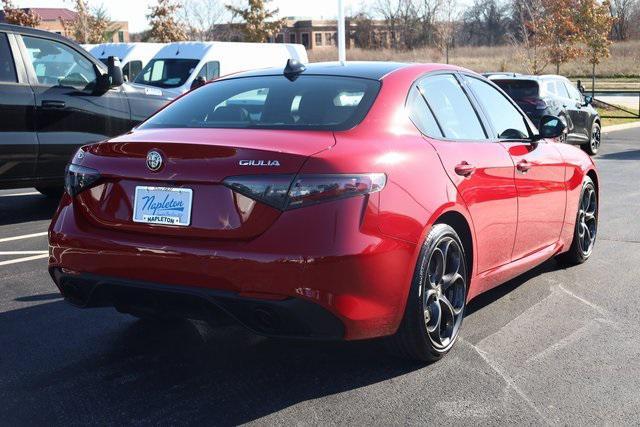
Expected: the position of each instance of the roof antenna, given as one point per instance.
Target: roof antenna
(293, 69)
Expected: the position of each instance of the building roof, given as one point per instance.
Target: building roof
(53, 13)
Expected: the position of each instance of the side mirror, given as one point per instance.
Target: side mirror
(115, 72)
(198, 82)
(551, 127)
(588, 100)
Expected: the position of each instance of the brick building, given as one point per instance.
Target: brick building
(51, 20)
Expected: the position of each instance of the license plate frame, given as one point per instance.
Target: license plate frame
(165, 209)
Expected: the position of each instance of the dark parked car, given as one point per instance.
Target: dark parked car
(557, 96)
(54, 98)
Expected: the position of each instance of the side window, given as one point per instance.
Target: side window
(573, 92)
(134, 69)
(213, 70)
(56, 64)
(451, 108)
(562, 91)
(550, 87)
(210, 70)
(421, 115)
(7, 67)
(507, 121)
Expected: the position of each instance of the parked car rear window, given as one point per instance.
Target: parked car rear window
(166, 73)
(272, 102)
(519, 89)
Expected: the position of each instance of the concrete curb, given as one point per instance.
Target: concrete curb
(622, 126)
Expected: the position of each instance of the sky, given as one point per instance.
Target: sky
(135, 11)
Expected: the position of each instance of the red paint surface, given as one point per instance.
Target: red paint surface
(355, 257)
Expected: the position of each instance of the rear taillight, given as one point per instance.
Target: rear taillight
(286, 192)
(79, 178)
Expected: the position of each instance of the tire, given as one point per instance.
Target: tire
(51, 192)
(586, 228)
(438, 294)
(593, 146)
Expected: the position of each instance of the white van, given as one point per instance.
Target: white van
(88, 47)
(133, 56)
(174, 68)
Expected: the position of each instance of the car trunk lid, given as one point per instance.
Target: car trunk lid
(197, 160)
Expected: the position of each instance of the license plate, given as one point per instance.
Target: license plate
(162, 205)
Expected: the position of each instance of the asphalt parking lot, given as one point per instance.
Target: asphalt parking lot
(553, 346)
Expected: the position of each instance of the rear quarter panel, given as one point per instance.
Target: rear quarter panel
(578, 164)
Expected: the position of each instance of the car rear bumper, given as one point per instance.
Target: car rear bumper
(290, 317)
(335, 260)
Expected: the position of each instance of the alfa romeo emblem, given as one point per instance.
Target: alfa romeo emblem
(154, 160)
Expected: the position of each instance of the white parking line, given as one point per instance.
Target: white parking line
(32, 193)
(28, 258)
(24, 236)
(23, 252)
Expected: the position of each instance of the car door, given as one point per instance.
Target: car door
(70, 110)
(482, 171)
(18, 141)
(539, 170)
(579, 113)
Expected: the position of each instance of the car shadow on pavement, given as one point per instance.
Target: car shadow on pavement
(621, 155)
(500, 291)
(101, 367)
(26, 208)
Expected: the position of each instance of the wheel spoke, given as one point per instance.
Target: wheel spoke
(435, 313)
(436, 267)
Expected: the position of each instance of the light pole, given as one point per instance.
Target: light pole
(342, 48)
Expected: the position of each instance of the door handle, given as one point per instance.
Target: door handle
(523, 166)
(53, 105)
(464, 169)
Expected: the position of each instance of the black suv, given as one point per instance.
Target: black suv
(55, 97)
(556, 96)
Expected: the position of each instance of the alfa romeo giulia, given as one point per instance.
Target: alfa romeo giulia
(332, 201)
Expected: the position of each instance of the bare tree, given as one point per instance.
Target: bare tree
(448, 18)
(485, 23)
(623, 11)
(525, 37)
(410, 22)
(202, 18)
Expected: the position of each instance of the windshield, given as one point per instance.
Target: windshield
(519, 89)
(272, 102)
(166, 73)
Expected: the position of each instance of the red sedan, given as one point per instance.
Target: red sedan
(333, 201)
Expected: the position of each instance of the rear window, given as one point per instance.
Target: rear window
(272, 102)
(167, 73)
(519, 89)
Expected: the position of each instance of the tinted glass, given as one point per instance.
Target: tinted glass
(56, 64)
(132, 69)
(272, 102)
(166, 73)
(452, 108)
(507, 121)
(519, 89)
(7, 68)
(421, 115)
